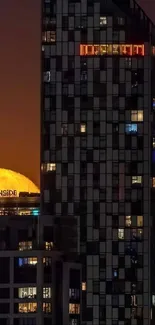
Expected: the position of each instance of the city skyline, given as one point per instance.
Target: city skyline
(20, 69)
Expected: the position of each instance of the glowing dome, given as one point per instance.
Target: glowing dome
(12, 183)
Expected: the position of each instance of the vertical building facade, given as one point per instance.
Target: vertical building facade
(97, 141)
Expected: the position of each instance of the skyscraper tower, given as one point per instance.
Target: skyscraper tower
(96, 151)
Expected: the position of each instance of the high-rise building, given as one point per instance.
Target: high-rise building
(97, 114)
(39, 285)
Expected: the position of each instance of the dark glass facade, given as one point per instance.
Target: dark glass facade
(97, 158)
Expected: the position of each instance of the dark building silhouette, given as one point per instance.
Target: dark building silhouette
(97, 152)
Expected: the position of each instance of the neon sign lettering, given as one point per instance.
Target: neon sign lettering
(8, 193)
(112, 49)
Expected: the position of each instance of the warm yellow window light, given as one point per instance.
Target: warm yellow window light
(74, 309)
(137, 116)
(128, 221)
(50, 167)
(25, 245)
(139, 221)
(120, 233)
(136, 179)
(29, 307)
(83, 286)
(83, 128)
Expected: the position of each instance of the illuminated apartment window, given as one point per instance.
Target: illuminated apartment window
(47, 293)
(137, 116)
(29, 307)
(83, 128)
(48, 245)
(25, 245)
(84, 286)
(153, 182)
(120, 233)
(74, 309)
(47, 307)
(131, 128)
(153, 300)
(47, 76)
(49, 167)
(29, 292)
(153, 142)
(49, 36)
(103, 21)
(133, 300)
(139, 221)
(128, 221)
(64, 129)
(136, 179)
(27, 261)
(153, 103)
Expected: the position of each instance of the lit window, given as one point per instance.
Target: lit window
(47, 307)
(49, 36)
(47, 76)
(120, 233)
(136, 179)
(128, 221)
(153, 103)
(153, 182)
(25, 245)
(131, 128)
(115, 273)
(137, 116)
(29, 292)
(47, 293)
(83, 128)
(133, 300)
(153, 300)
(84, 286)
(139, 221)
(153, 142)
(64, 129)
(48, 245)
(103, 21)
(27, 261)
(153, 50)
(74, 309)
(29, 307)
(49, 167)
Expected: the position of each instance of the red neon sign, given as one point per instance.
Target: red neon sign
(112, 49)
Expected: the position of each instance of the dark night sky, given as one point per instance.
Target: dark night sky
(20, 85)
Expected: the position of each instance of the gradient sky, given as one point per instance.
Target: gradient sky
(20, 85)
